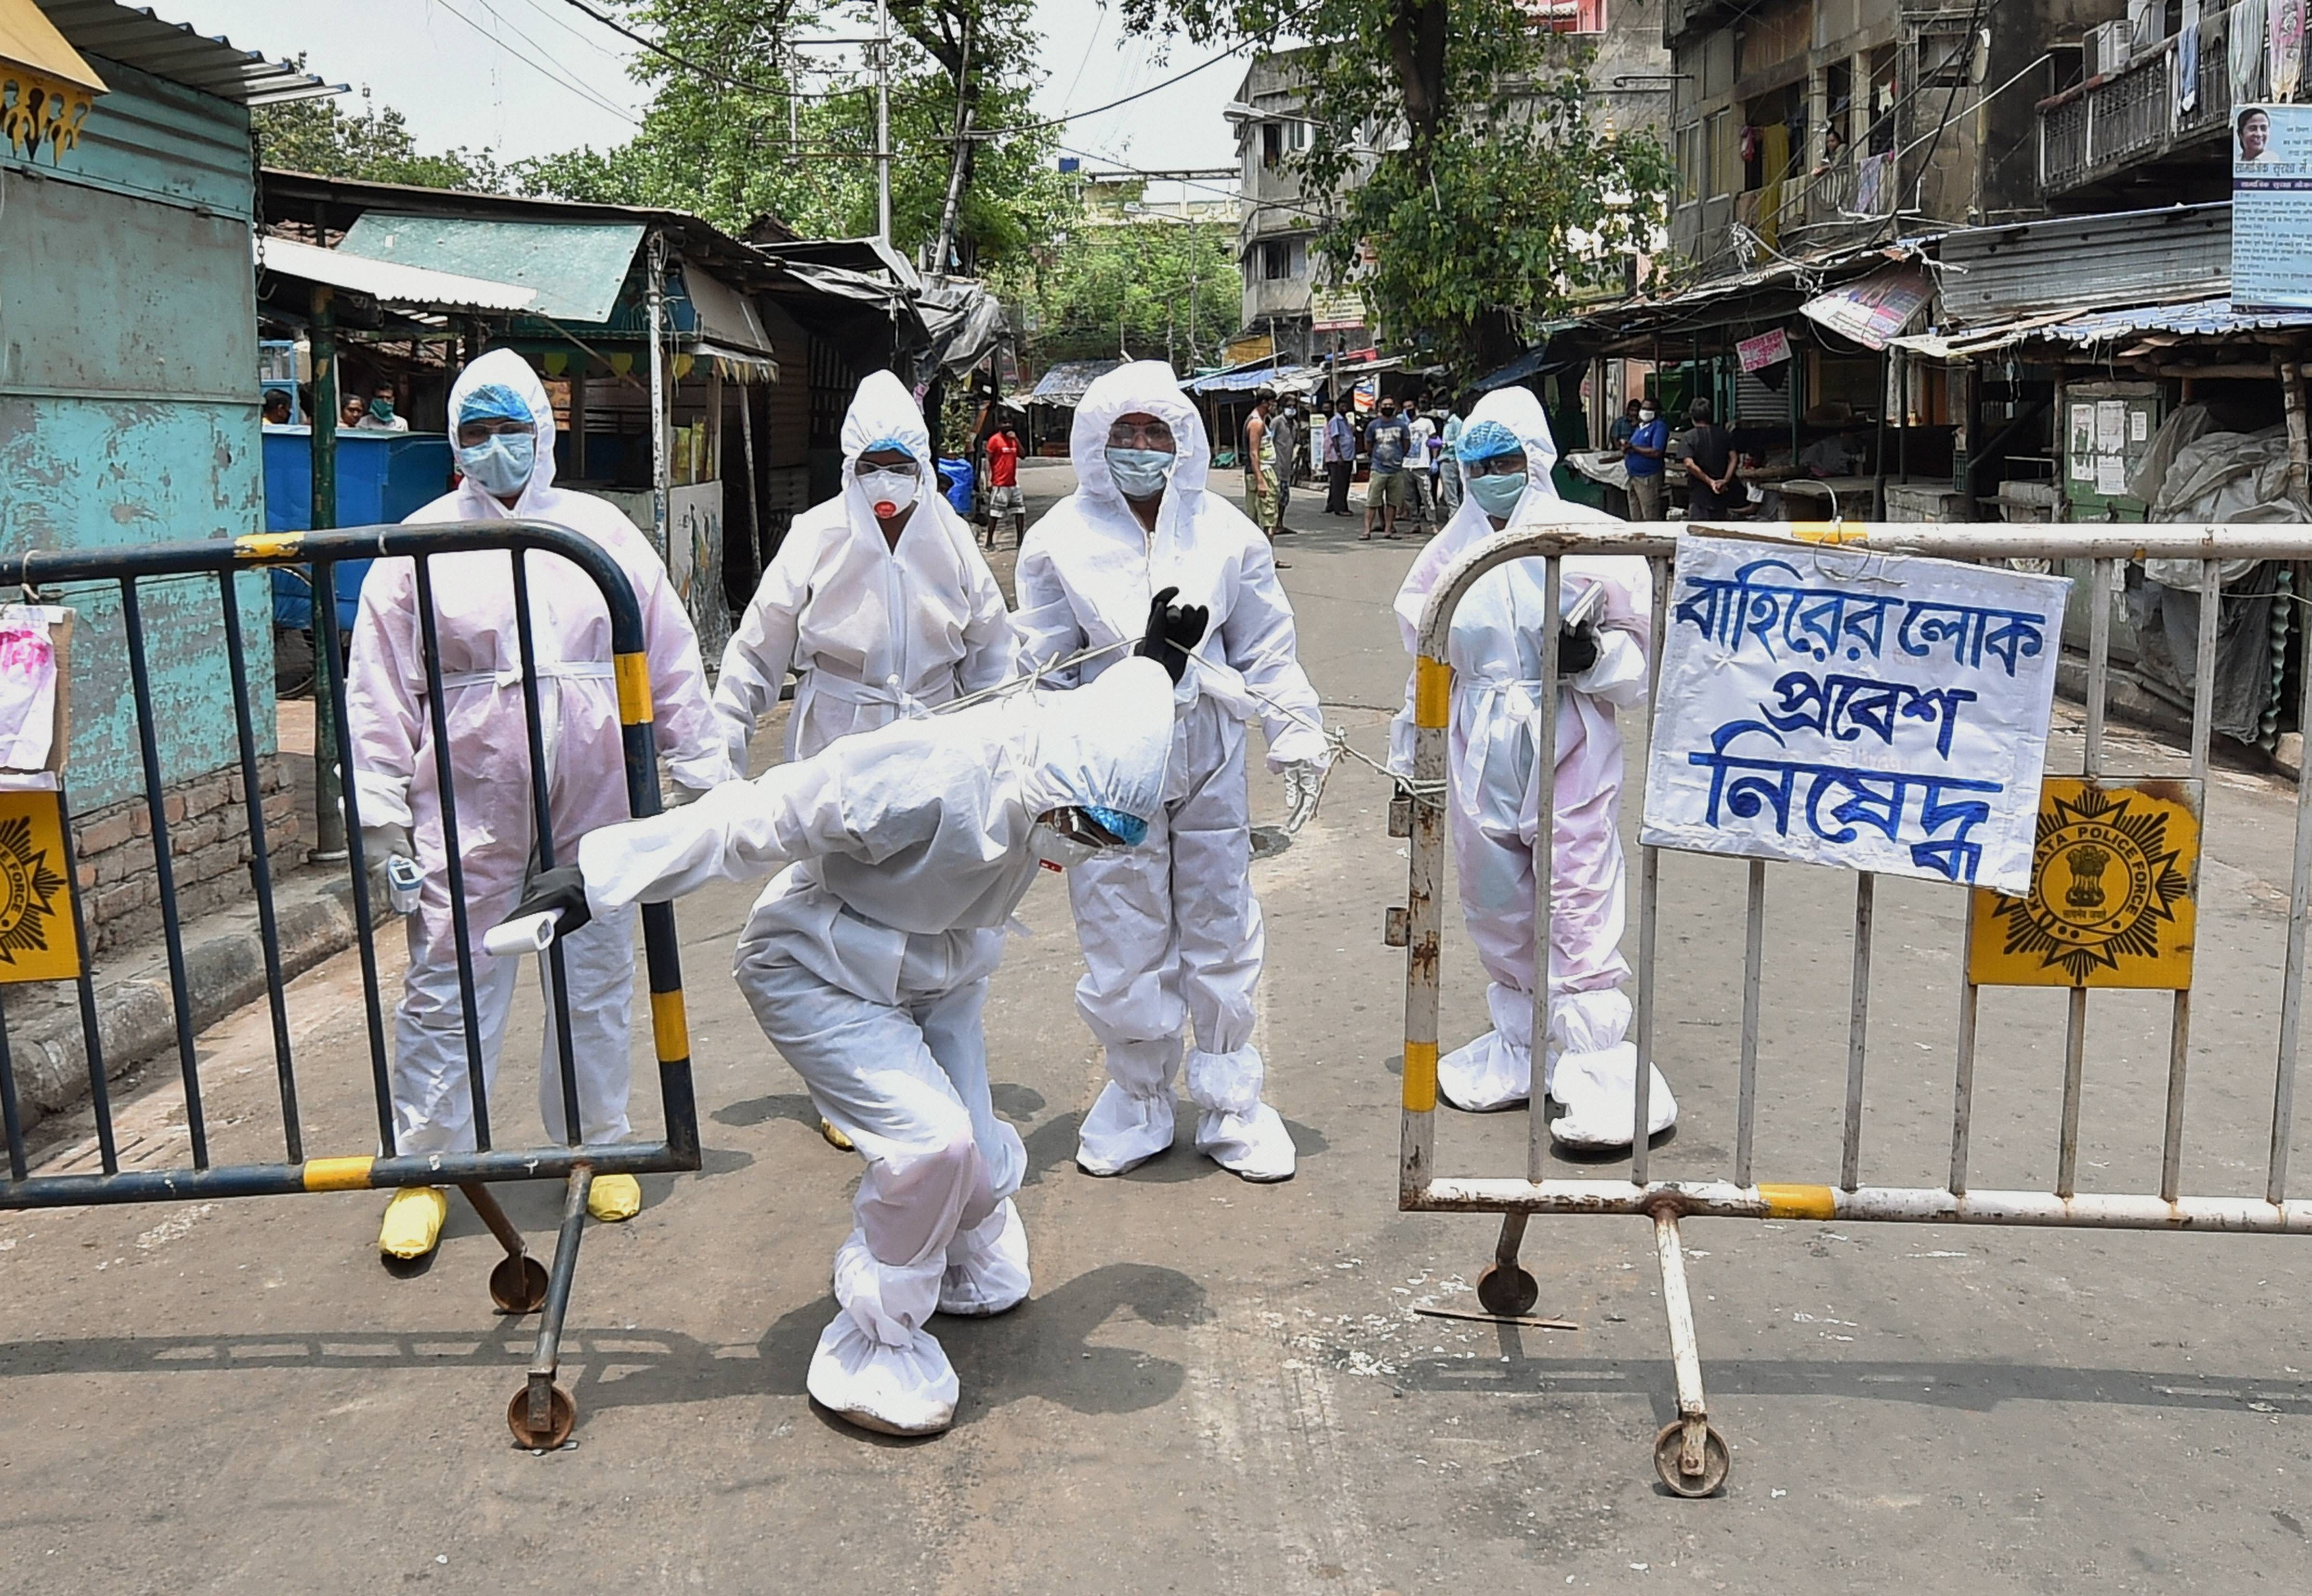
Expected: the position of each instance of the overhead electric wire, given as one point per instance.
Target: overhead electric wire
(570, 83)
(688, 65)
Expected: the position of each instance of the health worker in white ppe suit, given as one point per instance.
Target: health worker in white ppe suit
(903, 853)
(503, 430)
(1505, 452)
(879, 597)
(1171, 932)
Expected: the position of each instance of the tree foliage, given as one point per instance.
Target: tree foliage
(1141, 289)
(314, 135)
(734, 144)
(1459, 174)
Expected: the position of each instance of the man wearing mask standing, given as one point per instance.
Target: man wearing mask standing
(1642, 458)
(503, 427)
(1387, 439)
(1340, 457)
(380, 416)
(1172, 933)
(1264, 497)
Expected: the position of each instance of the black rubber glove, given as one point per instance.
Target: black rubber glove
(562, 887)
(1577, 650)
(1173, 631)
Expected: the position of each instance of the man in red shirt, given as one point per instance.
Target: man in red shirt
(1004, 485)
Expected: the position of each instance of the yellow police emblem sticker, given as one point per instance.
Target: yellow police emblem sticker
(2114, 875)
(37, 942)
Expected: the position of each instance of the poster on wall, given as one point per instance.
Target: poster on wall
(1870, 711)
(2271, 207)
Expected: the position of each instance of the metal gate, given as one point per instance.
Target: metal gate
(541, 1413)
(1690, 1457)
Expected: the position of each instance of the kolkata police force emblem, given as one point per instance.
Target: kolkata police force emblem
(2111, 899)
(36, 932)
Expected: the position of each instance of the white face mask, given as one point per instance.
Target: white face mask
(1645, 415)
(1056, 848)
(890, 492)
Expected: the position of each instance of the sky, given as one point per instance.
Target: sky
(530, 77)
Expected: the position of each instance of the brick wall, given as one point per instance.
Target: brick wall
(208, 846)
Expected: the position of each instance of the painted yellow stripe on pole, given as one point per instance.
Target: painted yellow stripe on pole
(1420, 1077)
(338, 1174)
(269, 546)
(670, 1026)
(633, 689)
(1829, 532)
(1432, 691)
(1799, 1202)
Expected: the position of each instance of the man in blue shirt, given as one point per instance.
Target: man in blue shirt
(1387, 439)
(1641, 457)
(1340, 459)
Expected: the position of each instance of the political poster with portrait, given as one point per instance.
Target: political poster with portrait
(2271, 207)
(1832, 705)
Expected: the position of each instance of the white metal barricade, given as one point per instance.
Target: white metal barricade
(1690, 1456)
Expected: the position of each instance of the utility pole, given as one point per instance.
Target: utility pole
(883, 121)
(329, 780)
(959, 161)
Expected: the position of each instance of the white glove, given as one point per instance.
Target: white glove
(381, 844)
(1304, 788)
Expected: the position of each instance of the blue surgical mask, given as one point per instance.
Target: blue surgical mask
(1498, 495)
(500, 465)
(1140, 473)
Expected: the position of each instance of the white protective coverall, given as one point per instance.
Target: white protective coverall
(396, 781)
(1495, 652)
(876, 632)
(1171, 931)
(867, 962)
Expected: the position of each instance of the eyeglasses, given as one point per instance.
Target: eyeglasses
(1141, 434)
(1512, 465)
(485, 428)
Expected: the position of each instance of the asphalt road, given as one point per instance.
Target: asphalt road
(1219, 1387)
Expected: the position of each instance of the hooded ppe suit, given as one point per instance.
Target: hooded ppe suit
(1171, 932)
(396, 781)
(867, 962)
(1495, 653)
(876, 632)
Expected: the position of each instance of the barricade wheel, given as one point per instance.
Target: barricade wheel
(1508, 1292)
(1716, 1461)
(518, 1285)
(565, 1416)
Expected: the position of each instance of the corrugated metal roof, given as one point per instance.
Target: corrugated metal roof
(2126, 258)
(213, 65)
(1245, 378)
(2082, 327)
(1065, 383)
(576, 268)
(389, 282)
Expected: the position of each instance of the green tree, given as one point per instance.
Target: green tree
(1145, 287)
(735, 131)
(313, 135)
(1462, 180)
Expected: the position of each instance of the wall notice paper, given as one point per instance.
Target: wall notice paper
(2111, 474)
(2111, 426)
(1834, 706)
(1767, 349)
(2272, 207)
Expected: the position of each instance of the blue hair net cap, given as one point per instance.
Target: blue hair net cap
(897, 444)
(1128, 829)
(1487, 440)
(494, 401)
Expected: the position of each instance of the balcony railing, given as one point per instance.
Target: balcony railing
(2106, 125)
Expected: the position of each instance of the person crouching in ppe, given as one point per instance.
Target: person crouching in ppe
(1505, 455)
(879, 597)
(1171, 932)
(503, 429)
(904, 850)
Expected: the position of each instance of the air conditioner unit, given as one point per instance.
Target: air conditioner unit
(2147, 25)
(2107, 48)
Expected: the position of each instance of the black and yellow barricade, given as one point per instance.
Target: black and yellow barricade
(42, 918)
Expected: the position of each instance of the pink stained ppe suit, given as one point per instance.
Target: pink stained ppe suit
(905, 850)
(396, 781)
(875, 632)
(1170, 930)
(1495, 797)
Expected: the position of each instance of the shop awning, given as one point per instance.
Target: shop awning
(1063, 383)
(575, 269)
(2208, 318)
(1874, 311)
(389, 282)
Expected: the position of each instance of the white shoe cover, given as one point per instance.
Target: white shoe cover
(1496, 1070)
(895, 1391)
(1123, 1131)
(1599, 1091)
(987, 1267)
(1253, 1145)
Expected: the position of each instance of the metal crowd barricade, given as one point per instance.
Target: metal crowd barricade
(1690, 1456)
(541, 1413)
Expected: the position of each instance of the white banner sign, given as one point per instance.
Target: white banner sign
(1873, 711)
